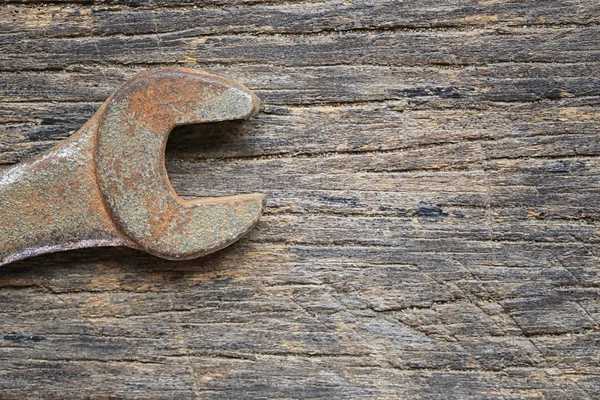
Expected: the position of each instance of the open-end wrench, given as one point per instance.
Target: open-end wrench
(107, 185)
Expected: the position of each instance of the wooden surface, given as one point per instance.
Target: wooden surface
(433, 222)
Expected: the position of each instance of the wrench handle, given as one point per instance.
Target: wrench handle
(52, 202)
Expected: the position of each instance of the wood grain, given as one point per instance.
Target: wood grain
(433, 222)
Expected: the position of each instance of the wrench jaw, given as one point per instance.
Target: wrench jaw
(131, 139)
(219, 222)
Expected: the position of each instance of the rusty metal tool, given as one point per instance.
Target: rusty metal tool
(107, 185)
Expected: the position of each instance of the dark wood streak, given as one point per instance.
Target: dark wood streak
(433, 221)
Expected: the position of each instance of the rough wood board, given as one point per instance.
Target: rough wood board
(433, 223)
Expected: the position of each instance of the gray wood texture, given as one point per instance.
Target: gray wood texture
(433, 222)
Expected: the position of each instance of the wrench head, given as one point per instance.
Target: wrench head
(133, 129)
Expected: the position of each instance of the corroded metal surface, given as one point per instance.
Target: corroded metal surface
(107, 185)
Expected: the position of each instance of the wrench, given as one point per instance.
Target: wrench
(107, 184)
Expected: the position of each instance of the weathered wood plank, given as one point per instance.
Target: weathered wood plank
(430, 86)
(286, 17)
(473, 47)
(324, 130)
(432, 228)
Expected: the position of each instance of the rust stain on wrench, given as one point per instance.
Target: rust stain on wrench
(107, 185)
